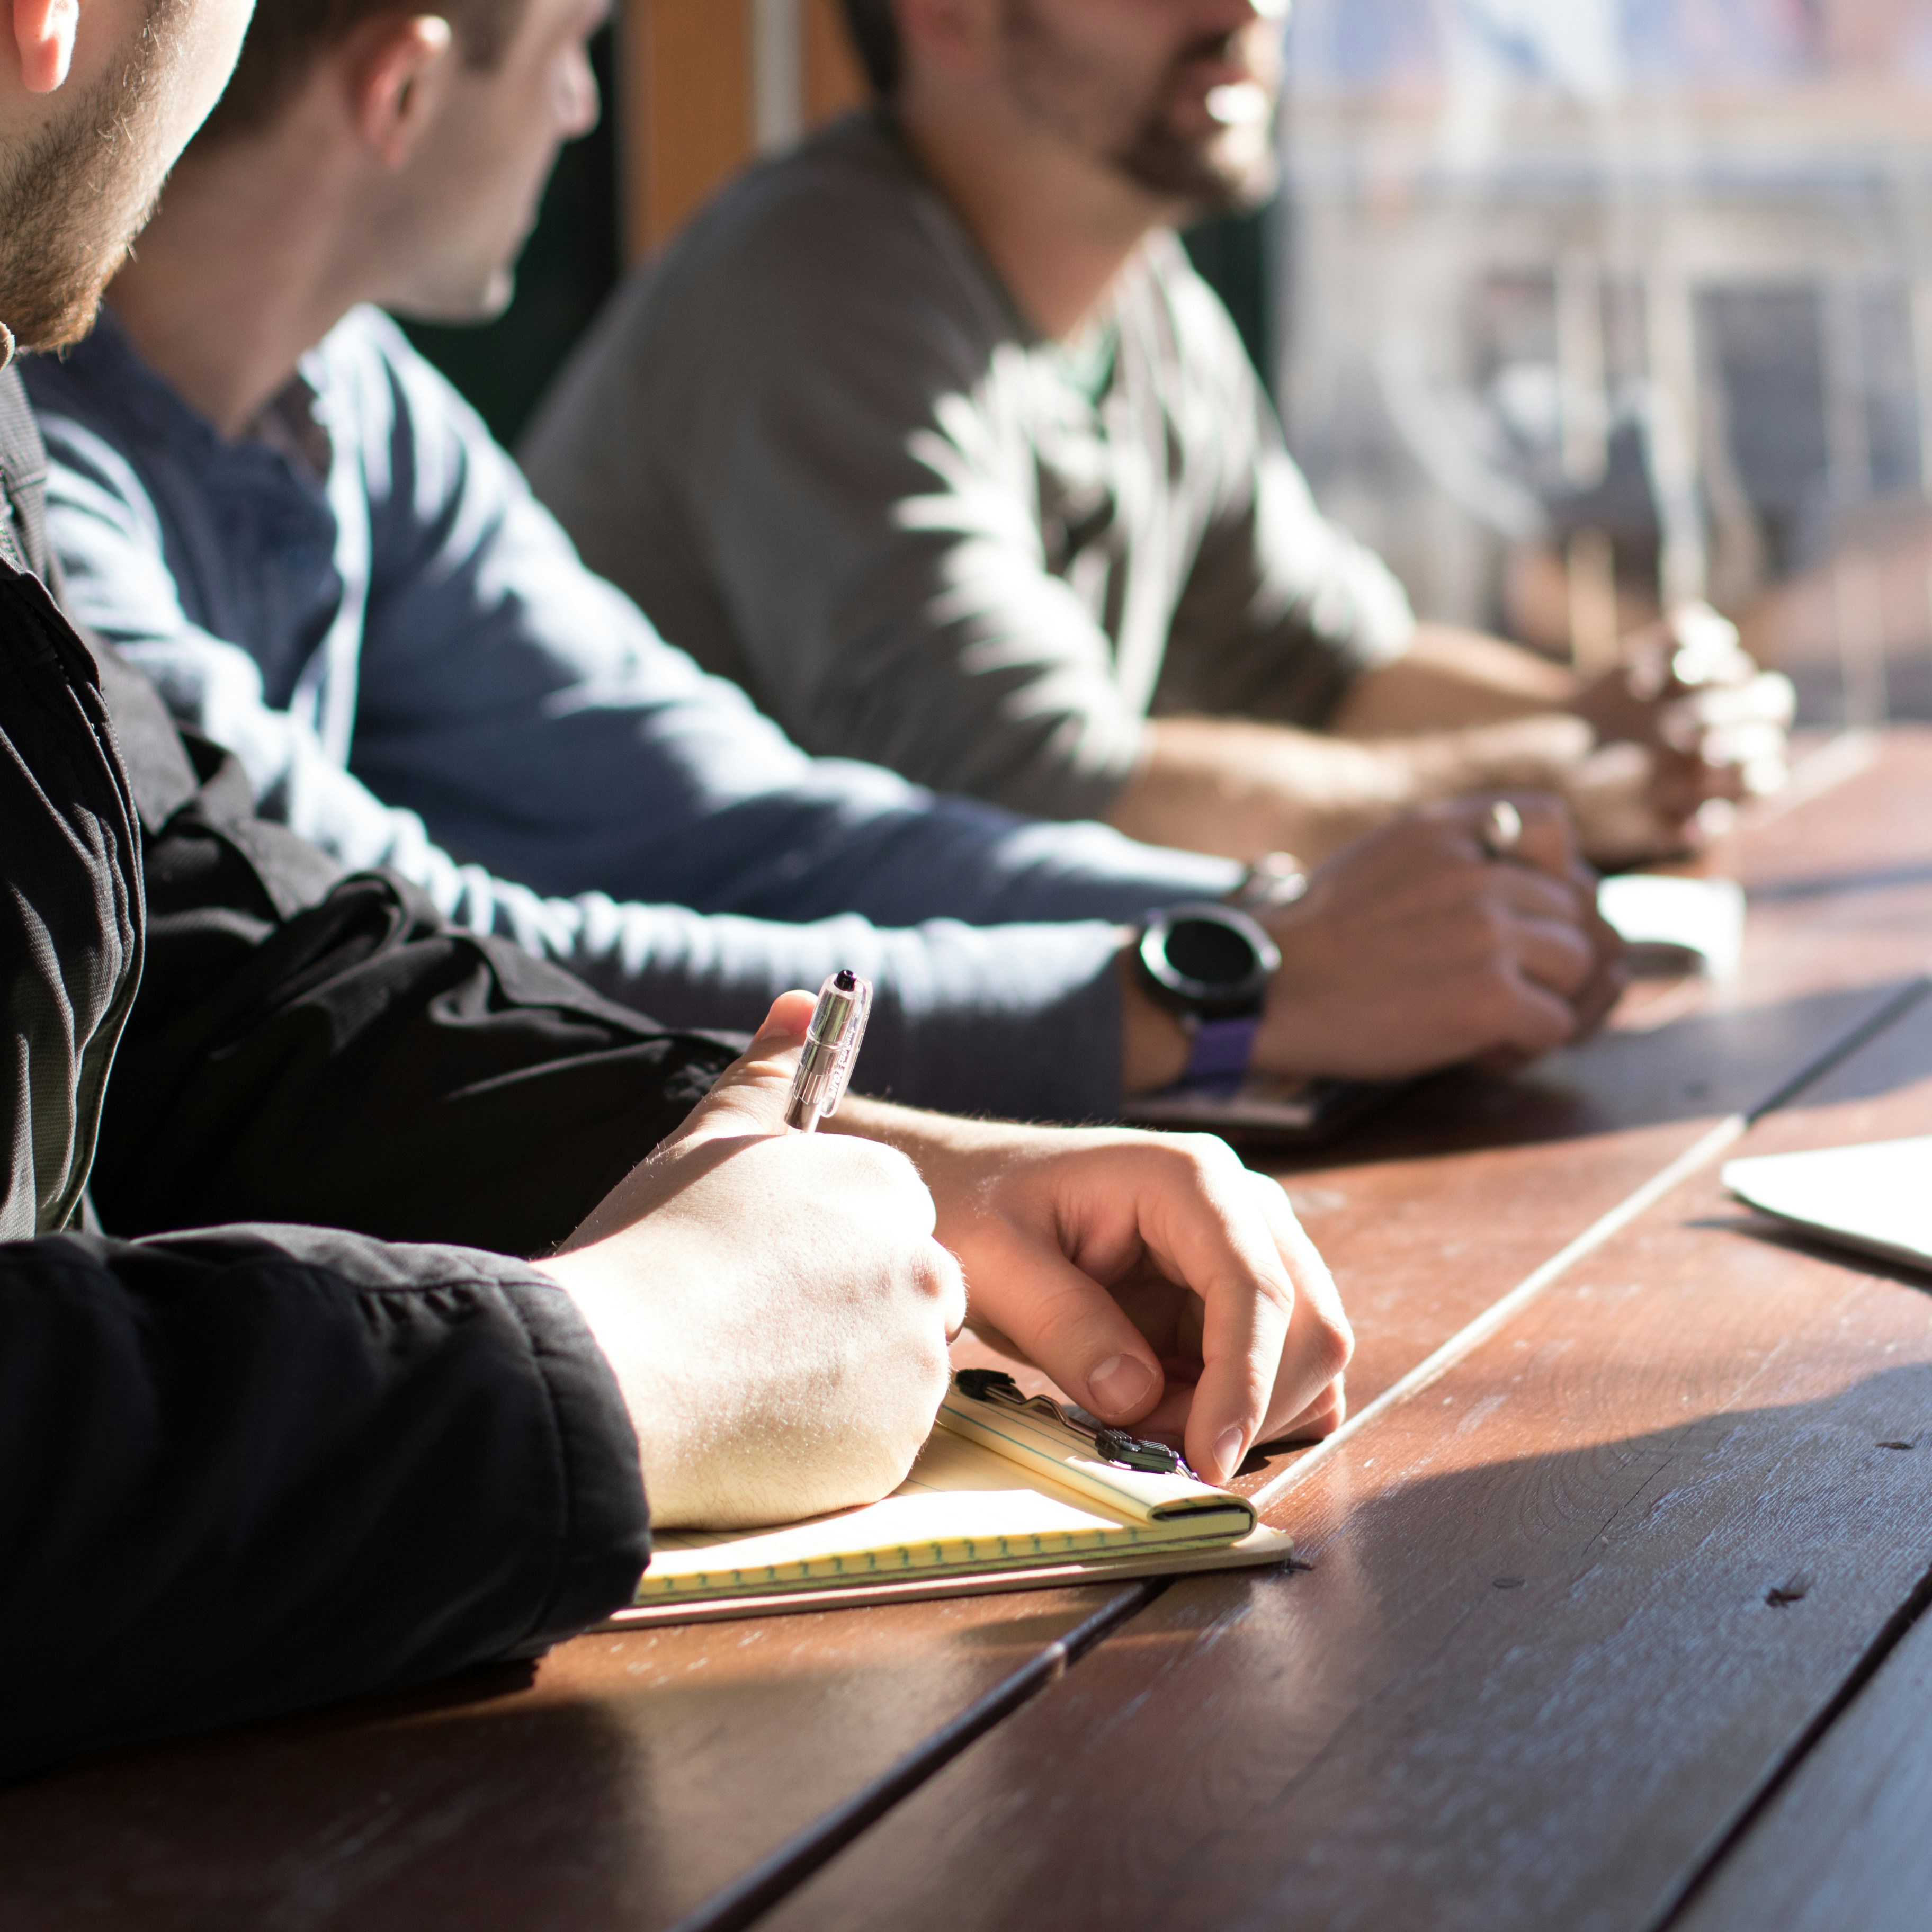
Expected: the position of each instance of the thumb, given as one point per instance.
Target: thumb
(750, 1093)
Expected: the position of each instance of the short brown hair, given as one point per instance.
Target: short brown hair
(286, 38)
(875, 38)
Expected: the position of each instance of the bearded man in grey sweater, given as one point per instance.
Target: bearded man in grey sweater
(928, 434)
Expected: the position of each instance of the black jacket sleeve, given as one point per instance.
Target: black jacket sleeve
(310, 1048)
(69, 908)
(245, 1471)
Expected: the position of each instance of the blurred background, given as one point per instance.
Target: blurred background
(1573, 308)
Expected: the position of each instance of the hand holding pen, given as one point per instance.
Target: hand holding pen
(744, 1277)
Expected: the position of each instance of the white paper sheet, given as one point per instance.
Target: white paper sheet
(1677, 925)
(1877, 1198)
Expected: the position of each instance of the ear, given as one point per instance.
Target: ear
(398, 68)
(44, 30)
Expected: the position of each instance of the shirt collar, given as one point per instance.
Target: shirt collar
(293, 423)
(298, 441)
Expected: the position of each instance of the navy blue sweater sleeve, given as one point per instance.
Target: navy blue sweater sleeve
(532, 755)
(254, 1469)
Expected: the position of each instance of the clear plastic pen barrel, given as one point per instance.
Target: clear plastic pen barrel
(831, 1048)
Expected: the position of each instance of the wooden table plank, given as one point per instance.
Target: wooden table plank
(1844, 1844)
(643, 1776)
(638, 1777)
(1569, 1613)
(1430, 1216)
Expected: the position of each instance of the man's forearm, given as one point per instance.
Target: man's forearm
(1238, 789)
(1451, 678)
(1461, 714)
(1226, 786)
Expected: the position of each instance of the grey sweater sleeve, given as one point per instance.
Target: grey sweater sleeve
(819, 446)
(1282, 609)
(812, 406)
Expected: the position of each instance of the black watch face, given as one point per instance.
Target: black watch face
(1211, 955)
(1209, 961)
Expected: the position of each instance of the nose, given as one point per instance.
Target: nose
(578, 103)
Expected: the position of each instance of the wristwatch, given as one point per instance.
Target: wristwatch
(1210, 966)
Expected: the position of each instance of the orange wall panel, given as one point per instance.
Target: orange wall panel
(685, 102)
(833, 81)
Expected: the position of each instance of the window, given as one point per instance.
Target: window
(1585, 306)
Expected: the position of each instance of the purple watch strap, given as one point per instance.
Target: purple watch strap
(1223, 1049)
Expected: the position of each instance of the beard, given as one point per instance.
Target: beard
(71, 202)
(1229, 171)
(1226, 169)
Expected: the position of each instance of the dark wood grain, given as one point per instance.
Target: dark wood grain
(1570, 1612)
(636, 1778)
(1844, 1846)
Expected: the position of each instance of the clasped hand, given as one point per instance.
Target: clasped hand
(1418, 948)
(1687, 721)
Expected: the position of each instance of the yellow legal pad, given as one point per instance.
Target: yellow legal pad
(1001, 1498)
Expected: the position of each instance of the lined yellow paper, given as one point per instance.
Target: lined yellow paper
(968, 1505)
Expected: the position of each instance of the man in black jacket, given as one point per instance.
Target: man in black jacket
(249, 1467)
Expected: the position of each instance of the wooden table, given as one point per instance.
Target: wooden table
(1610, 1620)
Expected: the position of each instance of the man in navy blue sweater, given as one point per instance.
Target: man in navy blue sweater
(280, 512)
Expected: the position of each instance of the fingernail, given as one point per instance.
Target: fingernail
(1119, 1383)
(1229, 1450)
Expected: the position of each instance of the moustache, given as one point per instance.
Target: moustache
(1242, 97)
(1214, 50)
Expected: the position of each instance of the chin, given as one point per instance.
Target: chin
(1223, 174)
(73, 324)
(497, 297)
(49, 310)
(462, 307)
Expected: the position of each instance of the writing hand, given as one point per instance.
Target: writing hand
(774, 1305)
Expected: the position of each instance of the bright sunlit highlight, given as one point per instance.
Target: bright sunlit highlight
(1240, 104)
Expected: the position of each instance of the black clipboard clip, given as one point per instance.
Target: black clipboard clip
(998, 1388)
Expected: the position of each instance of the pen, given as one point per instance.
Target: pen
(832, 1045)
